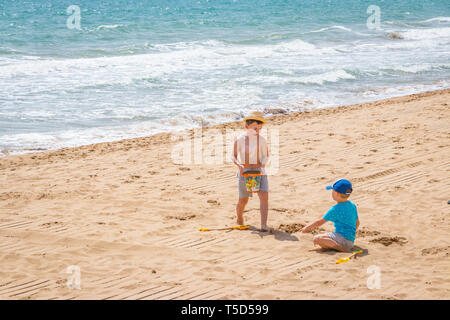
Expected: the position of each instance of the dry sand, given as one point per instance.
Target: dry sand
(127, 216)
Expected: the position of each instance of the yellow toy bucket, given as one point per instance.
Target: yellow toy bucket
(252, 180)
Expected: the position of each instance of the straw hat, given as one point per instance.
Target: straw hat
(255, 115)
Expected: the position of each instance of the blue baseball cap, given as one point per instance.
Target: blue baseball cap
(342, 186)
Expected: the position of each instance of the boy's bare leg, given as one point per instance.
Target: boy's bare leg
(240, 210)
(264, 208)
(324, 241)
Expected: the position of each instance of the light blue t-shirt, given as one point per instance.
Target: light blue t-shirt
(344, 216)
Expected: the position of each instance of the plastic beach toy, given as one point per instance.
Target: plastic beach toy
(349, 257)
(252, 180)
(241, 227)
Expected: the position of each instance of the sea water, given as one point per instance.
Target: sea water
(79, 72)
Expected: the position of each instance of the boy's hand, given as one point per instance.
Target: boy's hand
(313, 225)
(241, 169)
(304, 230)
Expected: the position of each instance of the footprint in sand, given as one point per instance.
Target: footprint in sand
(183, 217)
(387, 241)
(363, 232)
(280, 209)
(50, 224)
(436, 250)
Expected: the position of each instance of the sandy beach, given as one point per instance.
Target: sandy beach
(126, 216)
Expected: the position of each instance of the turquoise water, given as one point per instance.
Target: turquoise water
(140, 67)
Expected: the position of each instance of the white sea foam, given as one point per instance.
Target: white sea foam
(421, 67)
(68, 74)
(425, 34)
(295, 46)
(333, 27)
(394, 91)
(332, 76)
(106, 26)
(186, 84)
(318, 78)
(337, 28)
(440, 19)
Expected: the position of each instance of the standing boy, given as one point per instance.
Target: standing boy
(251, 153)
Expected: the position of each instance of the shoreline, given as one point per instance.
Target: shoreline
(127, 217)
(229, 125)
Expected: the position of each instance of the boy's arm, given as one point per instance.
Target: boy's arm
(235, 159)
(357, 223)
(265, 155)
(313, 225)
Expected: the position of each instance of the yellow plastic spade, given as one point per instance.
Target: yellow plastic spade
(349, 257)
(241, 227)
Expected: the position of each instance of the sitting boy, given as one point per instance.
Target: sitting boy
(345, 217)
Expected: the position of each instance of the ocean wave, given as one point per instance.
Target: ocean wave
(294, 46)
(26, 142)
(332, 76)
(394, 35)
(8, 50)
(440, 19)
(187, 45)
(336, 28)
(406, 24)
(333, 27)
(245, 49)
(166, 59)
(401, 90)
(103, 27)
(417, 68)
(285, 79)
(424, 34)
